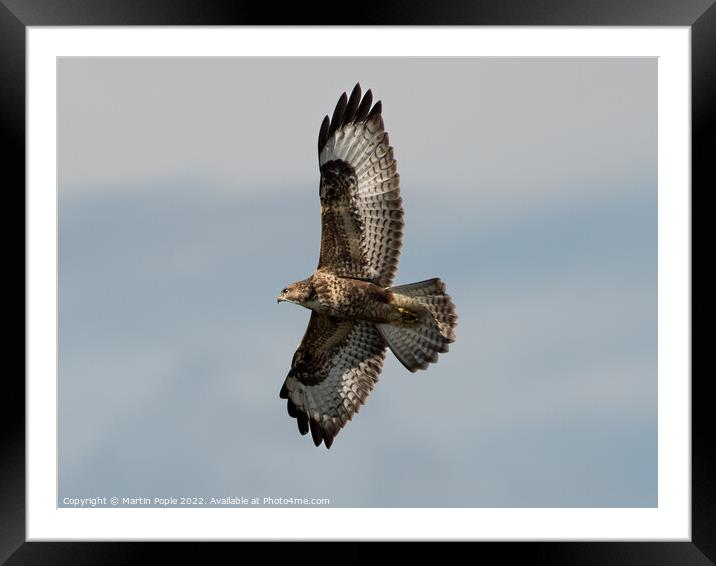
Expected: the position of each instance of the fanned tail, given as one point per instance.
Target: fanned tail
(427, 325)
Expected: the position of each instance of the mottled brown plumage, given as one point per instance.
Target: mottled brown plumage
(356, 314)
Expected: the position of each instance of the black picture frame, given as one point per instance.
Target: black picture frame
(16, 15)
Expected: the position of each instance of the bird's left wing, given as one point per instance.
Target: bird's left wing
(361, 207)
(332, 373)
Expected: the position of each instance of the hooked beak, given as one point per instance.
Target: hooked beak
(279, 299)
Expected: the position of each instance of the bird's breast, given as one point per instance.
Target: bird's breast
(353, 299)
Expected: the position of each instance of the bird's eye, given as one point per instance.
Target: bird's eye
(284, 291)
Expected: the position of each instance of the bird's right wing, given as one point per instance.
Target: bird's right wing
(332, 373)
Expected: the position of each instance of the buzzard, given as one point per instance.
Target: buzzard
(356, 313)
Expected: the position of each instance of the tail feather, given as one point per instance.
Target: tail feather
(417, 343)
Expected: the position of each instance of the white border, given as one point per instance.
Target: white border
(670, 521)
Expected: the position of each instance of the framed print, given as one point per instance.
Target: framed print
(536, 184)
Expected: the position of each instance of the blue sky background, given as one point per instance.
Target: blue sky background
(188, 199)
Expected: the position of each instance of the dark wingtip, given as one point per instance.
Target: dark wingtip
(352, 106)
(316, 432)
(283, 394)
(323, 133)
(337, 118)
(377, 109)
(364, 107)
(292, 410)
(302, 420)
(348, 111)
(328, 440)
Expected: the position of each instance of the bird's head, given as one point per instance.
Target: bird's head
(300, 293)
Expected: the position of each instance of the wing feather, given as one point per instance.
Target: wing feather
(338, 114)
(360, 186)
(323, 133)
(332, 373)
(364, 107)
(352, 106)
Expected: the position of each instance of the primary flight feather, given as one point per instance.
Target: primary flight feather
(356, 314)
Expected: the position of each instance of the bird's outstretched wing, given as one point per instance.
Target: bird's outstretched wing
(361, 207)
(332, 373)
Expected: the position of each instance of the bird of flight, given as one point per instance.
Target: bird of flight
(356, 313)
